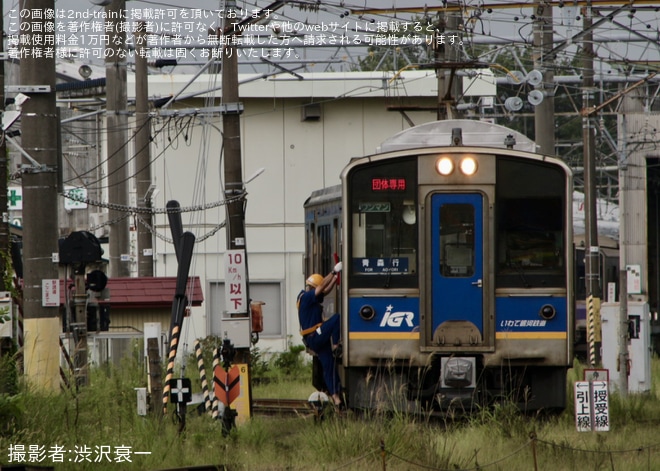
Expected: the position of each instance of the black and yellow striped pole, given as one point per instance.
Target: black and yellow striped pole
(202, 376)
(216, 404)
(174, 342)
(591, 330)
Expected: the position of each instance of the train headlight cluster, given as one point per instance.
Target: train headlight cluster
(467, 165)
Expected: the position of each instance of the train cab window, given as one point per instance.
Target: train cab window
(383, 225)
(457, 240)
(530, 225)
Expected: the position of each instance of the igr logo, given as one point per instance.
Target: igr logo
(395, 319)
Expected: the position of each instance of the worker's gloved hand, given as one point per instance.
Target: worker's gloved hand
(338, 267)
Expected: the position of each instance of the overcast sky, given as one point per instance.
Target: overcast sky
(505, 24)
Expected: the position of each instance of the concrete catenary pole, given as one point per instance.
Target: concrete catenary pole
(592, 257)
(544, 112)
(624, 187)
(231, 130)
(5, 342)
(143, 152)
(447, 52)
(4, 165)
(39, 128)
(231, 140)
(116, 126)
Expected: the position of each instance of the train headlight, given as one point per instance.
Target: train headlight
(445, 166)
(468, 166)
(548, 312)
(367, 312)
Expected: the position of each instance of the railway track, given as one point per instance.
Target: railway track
(300, 407)
(209, 467)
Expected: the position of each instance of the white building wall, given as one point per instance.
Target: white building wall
(298, 157)
(637, 127)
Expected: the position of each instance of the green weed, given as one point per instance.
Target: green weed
(103, 414)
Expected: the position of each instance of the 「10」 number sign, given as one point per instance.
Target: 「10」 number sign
(235, 283)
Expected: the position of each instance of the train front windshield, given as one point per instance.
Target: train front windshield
(384, 220)
(530, 225)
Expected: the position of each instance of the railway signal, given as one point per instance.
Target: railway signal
(181, 391)
(226, 384)
(77, 252)
(181, 395)
(183, 245)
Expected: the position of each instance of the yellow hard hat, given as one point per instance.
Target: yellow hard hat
(314, 280)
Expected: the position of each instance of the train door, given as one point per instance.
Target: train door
(458, 317)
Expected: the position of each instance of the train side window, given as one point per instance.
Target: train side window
(325, 251)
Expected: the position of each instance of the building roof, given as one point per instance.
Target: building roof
(409, 83)
(147, 292)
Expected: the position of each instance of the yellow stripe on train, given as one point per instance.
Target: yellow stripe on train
(383, 335)
(530, 335)
(415, 335)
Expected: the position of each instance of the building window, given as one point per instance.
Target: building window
(268, 292)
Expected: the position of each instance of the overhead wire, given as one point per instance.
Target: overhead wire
(199, 187)
(118, 151)
(520, 18)
(340, 7)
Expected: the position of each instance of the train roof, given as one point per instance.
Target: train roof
(324, 195)
(438, 134)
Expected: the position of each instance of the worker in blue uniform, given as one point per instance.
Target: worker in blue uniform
(321, 335)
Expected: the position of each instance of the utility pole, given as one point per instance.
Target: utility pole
(5, 343)
(231, 132)
(39, 130)
(544, 112)
(143, 161)
(449, 85)
(592, 255)
(231, 141)
(235, 190)
(116, 125)
(4, 223)
(622, 337)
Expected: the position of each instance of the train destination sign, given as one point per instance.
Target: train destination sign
(388, 184)
(379, 265)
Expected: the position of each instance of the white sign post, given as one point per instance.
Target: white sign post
(592, 406)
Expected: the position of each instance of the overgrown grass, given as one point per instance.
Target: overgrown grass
(102, 416)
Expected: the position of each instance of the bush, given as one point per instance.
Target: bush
(8, 375)
(291, 363)
(11, 413)
(259, 366)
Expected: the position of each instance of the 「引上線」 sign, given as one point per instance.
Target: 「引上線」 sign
(592, 406)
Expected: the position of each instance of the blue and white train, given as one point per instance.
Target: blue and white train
(457, 289)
